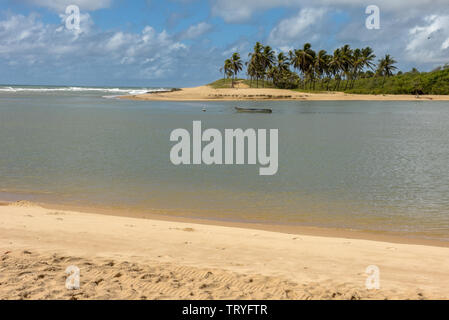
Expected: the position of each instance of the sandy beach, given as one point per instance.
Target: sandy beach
(130, 258)
(207, 93)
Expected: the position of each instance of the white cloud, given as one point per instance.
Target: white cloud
(429, 42)
(61, 5)
(241, 11)
(196, 31)
(415, 33)
(26, 41)
(289, 30)
(445, 44)
(20, 32)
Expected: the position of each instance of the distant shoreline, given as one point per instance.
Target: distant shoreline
(208, 93)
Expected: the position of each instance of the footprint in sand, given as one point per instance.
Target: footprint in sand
(55, 214)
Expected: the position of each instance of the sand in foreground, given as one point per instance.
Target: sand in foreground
(207, 93)
(129, 258)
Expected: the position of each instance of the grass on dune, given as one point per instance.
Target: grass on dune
(227, 83)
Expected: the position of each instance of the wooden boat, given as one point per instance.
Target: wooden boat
(253, 110)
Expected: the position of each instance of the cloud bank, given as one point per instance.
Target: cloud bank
(61, 5)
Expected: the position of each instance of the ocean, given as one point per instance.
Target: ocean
(375, 166)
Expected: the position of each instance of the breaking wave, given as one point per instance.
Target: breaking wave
(116, 91)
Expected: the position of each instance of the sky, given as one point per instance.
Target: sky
(181, 43)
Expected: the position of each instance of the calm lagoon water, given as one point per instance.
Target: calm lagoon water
(378, 166)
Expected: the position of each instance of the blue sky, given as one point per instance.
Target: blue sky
(184, 42)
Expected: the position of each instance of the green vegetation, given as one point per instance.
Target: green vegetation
(227, 83)
(349, 70)
(413, 82)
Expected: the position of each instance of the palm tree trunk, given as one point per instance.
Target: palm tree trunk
(347, 82)
(337, 86)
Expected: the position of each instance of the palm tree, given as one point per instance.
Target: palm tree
(321, 64)
(227, 69)
(335, 67)
(268, 60)
(362, 59)
(236, 66)
(368, 56)
(303, 60)
(347, 62)
(357, 65)
(271, 73)
(386, 67)
(283, 63)
(251, 71)
(256, 60)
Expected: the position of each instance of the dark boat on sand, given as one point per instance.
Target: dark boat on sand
(253, 110)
